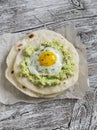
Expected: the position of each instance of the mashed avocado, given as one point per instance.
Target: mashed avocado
(47, 80)
(28, 51)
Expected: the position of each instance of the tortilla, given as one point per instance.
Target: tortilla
(35, 39)
(9, 73)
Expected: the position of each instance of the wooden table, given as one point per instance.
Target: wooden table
(25, 15)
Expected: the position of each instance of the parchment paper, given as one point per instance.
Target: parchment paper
(10, 95)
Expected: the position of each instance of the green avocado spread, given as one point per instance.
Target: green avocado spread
(42, 81)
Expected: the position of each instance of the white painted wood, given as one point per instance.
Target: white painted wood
(25, 15)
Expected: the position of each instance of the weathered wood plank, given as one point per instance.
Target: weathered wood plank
(22, 15)
(49, 115)
(58, 114)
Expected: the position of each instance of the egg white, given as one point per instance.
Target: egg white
(36, 68)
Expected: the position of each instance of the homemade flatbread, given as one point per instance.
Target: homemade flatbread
(15, 57)
(10, 76)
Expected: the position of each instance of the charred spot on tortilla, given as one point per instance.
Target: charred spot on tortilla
(12, 71)
(19, 49)
(23, 87)
(31, 35)
(19, 45)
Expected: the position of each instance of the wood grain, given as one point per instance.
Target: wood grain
(28, 14)
(25, 15)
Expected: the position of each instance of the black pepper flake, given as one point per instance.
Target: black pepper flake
(12, 71)
(31, 35)
(39, 71)
(42, 49)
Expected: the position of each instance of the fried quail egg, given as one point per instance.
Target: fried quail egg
(45, 61)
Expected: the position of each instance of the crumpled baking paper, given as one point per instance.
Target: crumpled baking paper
(10, 95)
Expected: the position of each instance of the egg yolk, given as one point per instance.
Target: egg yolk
(47, 58)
